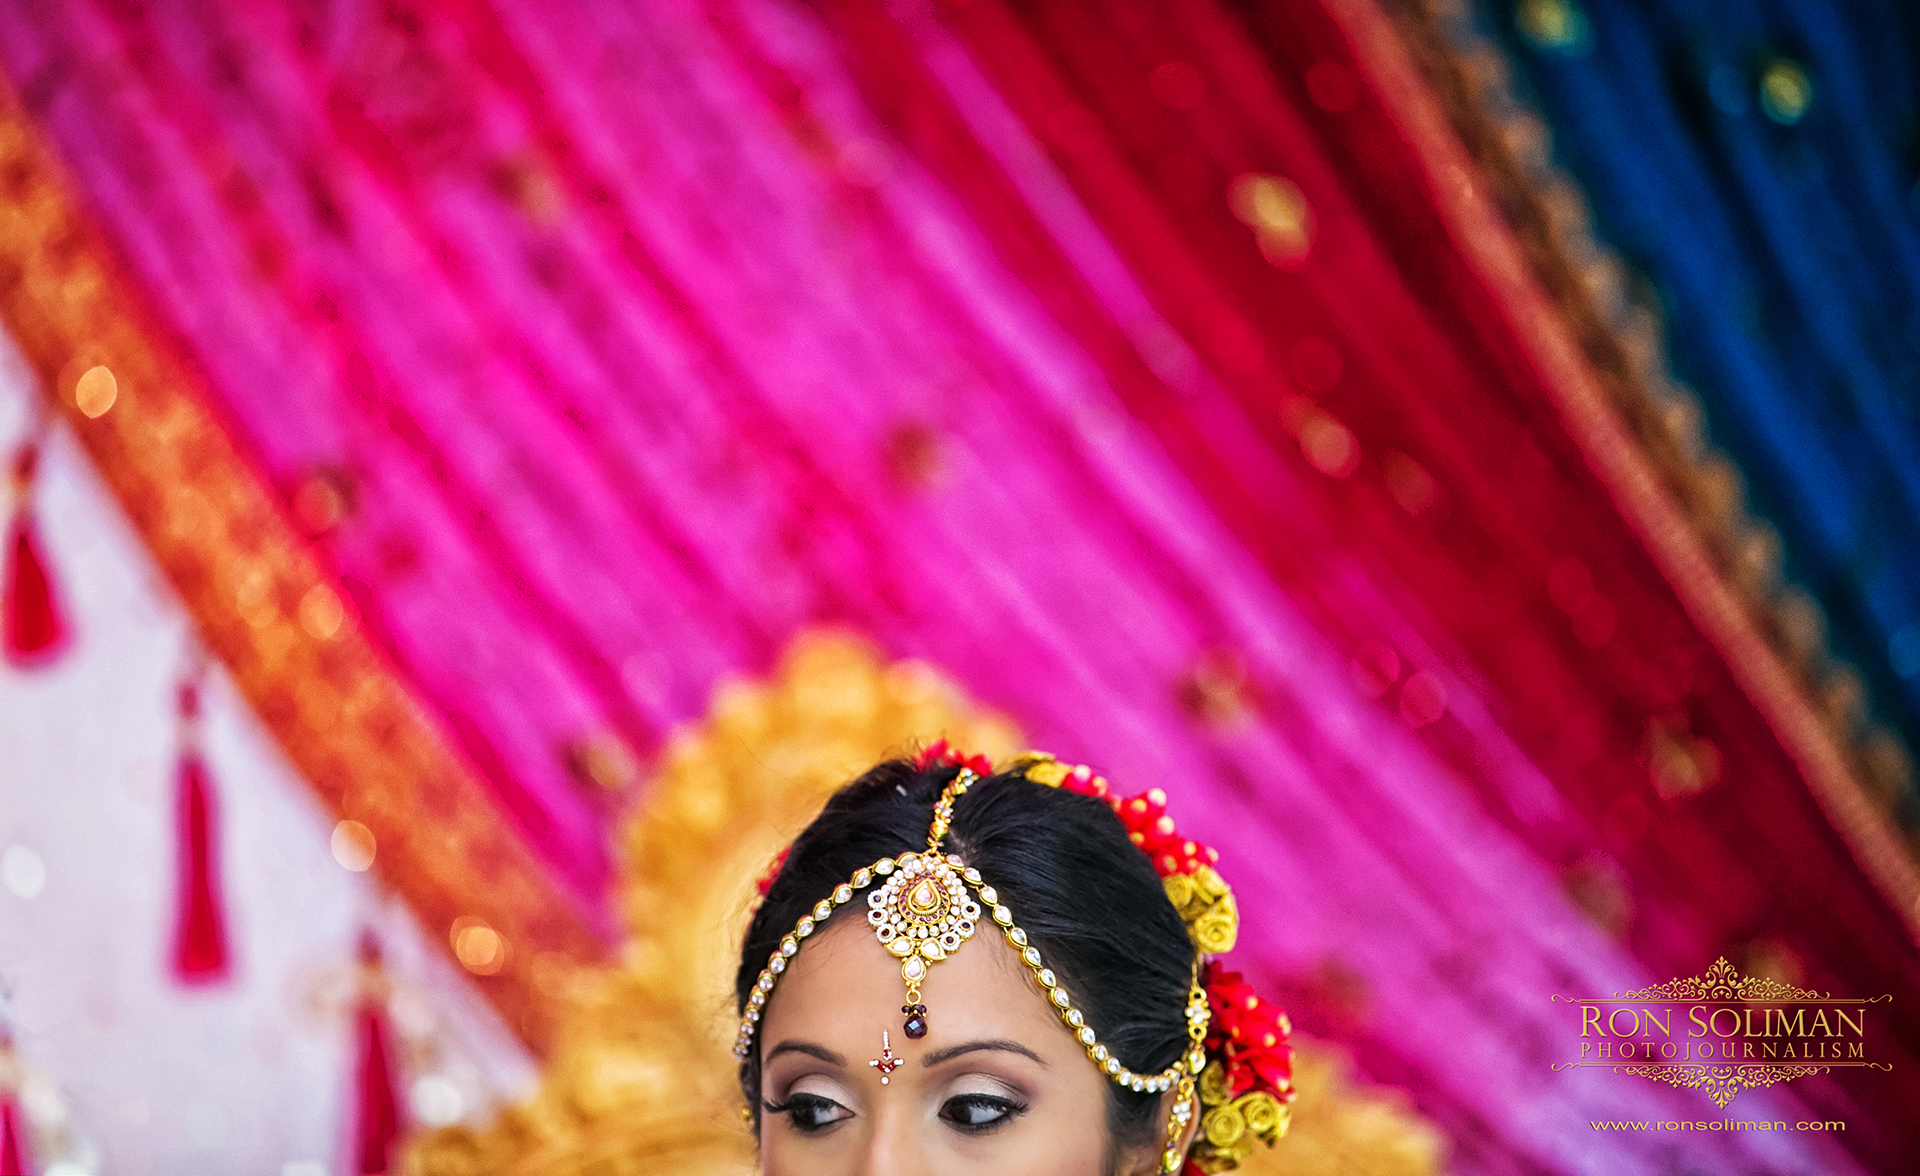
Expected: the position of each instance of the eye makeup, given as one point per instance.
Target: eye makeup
(979, 1113)
(808, 1113)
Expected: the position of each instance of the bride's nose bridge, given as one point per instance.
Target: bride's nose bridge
(891, 1149)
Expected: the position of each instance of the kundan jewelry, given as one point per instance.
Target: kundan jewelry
(923, 913)
(1236, 1073)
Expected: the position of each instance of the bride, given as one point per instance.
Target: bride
(958, 970)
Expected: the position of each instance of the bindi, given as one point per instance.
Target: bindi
(886, 1063)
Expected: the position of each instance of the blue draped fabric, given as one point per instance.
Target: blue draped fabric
(1758, 164)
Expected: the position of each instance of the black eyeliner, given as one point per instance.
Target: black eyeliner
(797, 1105)
(1009, 1108)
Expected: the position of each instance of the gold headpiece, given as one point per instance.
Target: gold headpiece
(929, 903)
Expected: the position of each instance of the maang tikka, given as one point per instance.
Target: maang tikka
(924, 913)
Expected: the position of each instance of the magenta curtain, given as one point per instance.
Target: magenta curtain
(640, 337)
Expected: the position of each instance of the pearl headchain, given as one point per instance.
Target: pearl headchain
(926, 905)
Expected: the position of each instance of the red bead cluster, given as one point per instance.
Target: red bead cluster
(1248, 1036)
(940, 752)
(1148, 825)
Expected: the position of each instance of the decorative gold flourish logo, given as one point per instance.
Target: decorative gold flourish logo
(1722, 1032)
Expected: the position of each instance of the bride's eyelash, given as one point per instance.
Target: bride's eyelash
(1008, 1110)
(798, 1106)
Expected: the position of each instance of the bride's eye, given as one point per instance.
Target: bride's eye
(980, 1112)
(809, 1112)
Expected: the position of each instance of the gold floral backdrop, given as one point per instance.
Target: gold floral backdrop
(640, 1079)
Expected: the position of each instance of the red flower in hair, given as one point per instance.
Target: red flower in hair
(1248, 1035)
(1150, 828)
(1148, 825)
(940, 752)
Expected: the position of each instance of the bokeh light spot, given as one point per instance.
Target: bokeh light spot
(1785, 91)
(1277, 211)
(1770, 959)
(1597, 888)
(1329, 445)
(1218, 690)
(1375, 668)
(916, 454)
(321, 612)
(603, 760)
(479, 948)
(253, 600)
(1679, 763)
(95, 391)
(1409, 482)
(1560, 26)
(321, 502)
(1423, 699)
(436, 1101)
(353, 846)
(23, 872)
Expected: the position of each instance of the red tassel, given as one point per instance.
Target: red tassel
(200, 933)
(15, 1158)
(377, 1122)
(35, 630)
(200, 942)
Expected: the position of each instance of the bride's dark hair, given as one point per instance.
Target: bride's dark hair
(1087, 897)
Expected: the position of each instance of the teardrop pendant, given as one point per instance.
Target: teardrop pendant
(916, 1023)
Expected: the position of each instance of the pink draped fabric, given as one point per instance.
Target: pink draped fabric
(643, 336)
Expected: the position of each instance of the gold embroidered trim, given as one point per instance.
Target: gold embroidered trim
(1604, 364)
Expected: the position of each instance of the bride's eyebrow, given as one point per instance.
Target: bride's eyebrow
(939, 1056)
(806, 1047)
